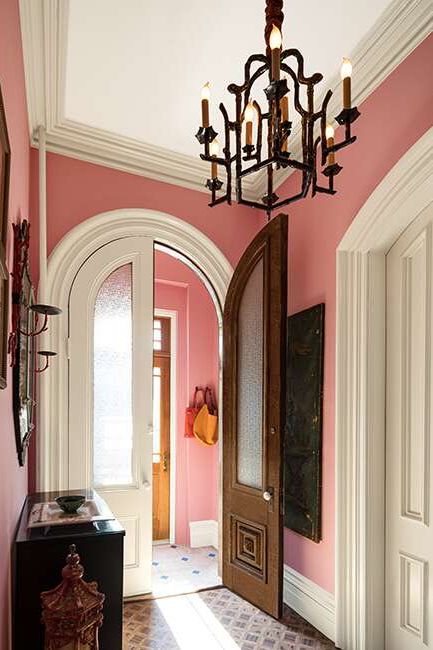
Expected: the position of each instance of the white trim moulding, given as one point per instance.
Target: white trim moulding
(310, 601)
(44, 25)
(360, 395)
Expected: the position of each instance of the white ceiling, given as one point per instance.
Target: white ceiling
(136, 67)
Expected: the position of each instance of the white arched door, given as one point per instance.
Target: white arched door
(110, 392)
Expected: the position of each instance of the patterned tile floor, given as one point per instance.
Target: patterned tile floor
(183, 570)
(214, 620)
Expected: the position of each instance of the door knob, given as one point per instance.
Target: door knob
(268, 494)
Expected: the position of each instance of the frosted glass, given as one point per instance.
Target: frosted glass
(112, 380)
(250, 381)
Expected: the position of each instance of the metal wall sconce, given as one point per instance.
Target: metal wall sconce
(46, 354)
(46, 311)
(23, 325)
(22, 341)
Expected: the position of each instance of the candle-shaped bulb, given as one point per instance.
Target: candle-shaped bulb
(346, 69)
(249, 112)
(275, 39)
(346, 74)
(205, 96)
(329, 131)
(205, 91)
(249, 117)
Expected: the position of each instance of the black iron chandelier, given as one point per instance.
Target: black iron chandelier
(263, 137)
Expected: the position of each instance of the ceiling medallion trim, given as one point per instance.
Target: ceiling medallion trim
(403, 26)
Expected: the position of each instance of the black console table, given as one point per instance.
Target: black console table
(38, 558)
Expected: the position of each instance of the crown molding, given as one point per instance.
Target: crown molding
(403, 25)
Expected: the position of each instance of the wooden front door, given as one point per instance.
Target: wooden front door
(255, 317)
(161, 429)
(110, 392)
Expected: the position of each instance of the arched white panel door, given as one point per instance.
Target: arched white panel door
(110, 392)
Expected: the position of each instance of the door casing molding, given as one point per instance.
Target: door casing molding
(172, 316)
(63, 265)
(360, 395)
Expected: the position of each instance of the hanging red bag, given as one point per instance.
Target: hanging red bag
(192, 411)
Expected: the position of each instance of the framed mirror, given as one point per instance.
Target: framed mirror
(22, 343)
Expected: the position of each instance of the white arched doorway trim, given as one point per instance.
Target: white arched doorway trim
(64, 263)
(360, 394)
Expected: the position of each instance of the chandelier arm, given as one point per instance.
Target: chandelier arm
(217, 201)
(323, 120)
(235, 88)
(253, 204)
(316, 188)
(314, 79)
(306, 182)
(226, 151)
(238, 140)
(296, 100)
(259, 131)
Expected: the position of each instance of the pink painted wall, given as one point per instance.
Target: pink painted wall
(78, 190)
(13, 481)
(178, 288)
(393, 118)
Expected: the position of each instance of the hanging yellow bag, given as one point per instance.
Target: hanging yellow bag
(206, 421)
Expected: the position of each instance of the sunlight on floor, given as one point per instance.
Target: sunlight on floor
(194, 626)
(178, 569)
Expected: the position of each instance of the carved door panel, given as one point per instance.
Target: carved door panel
(255, 317)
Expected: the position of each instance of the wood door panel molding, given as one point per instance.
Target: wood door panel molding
(249, 547)
(252, 526)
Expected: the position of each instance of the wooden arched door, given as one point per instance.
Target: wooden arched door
(255, 316)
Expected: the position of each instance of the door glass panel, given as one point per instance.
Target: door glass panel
(112, 380)
(157, 335)
(250, 381)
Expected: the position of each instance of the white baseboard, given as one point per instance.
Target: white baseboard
(309, 600)
(203, 533)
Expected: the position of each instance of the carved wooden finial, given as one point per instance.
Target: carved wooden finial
(72, 611)
(73, 569)
(274, 16)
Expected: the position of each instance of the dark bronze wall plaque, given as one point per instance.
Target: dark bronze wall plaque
(303, 435)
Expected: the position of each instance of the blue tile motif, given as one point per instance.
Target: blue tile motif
(155, 563)
(184, 559)
(196, 571)
(211, 554)
(164, 577)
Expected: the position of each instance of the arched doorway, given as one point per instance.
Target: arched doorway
(95, 239)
